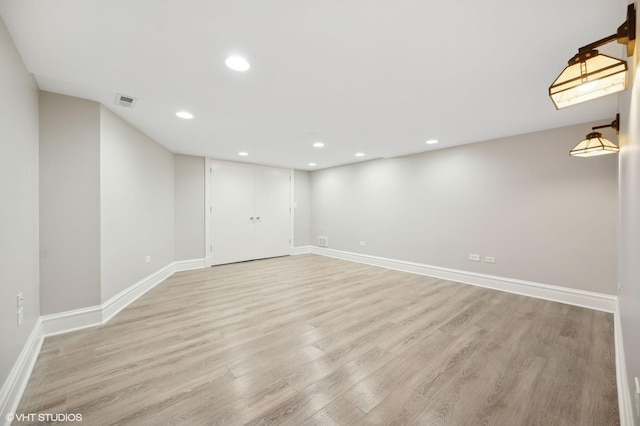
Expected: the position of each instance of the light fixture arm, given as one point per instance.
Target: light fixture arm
(601, 42)
(615, 124)
(626, 34)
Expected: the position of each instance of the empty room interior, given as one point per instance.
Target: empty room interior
(319, 213)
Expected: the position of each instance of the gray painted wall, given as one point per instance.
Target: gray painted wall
(137, 205)
(69, 203)
(302, 212)
(546, 217)
(629, 225)
(19, 195)
(190, 209)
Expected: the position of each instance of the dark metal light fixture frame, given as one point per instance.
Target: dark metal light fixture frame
(595, 144)
(591, 75)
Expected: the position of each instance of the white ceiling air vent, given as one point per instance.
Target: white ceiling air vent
(125, 101)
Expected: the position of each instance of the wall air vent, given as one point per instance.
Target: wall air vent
(125, 101)
(323, 242)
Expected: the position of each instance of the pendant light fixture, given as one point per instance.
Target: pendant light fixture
(595, 144)
(590, 74)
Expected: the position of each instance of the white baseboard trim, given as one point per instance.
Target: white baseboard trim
(77, 319)
(16, 382)
(188, 265)
(625, 405)
(585, 299)
(301, 250)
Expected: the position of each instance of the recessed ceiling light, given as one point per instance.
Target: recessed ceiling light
(312, 164)
(243, 154)
(184, 114)
(359, 154)
(432, 141)
(237, 63)
(318, 145)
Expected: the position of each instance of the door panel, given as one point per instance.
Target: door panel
(232, 206)
(273, 195)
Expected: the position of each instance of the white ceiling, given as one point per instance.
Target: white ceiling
(375, 76)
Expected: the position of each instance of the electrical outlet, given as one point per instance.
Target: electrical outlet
(490, 259)
(20, 316)
(363, 243)
(474, 257)
(148, 259)
(20, 301)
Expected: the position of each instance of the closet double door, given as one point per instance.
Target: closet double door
(250, 212)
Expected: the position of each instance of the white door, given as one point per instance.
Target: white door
(273, 227)
(232, 212)
(250, 216)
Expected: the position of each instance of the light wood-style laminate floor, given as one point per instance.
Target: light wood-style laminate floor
(310, 340)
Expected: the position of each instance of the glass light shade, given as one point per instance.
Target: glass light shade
(589, 75)
(594, 145)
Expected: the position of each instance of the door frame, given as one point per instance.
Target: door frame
(208, 243)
